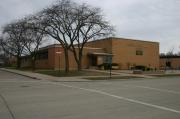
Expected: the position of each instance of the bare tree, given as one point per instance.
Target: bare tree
(12, 41)
(1, 46)
(73, 25)
(56, 21)
(169, 55)
(178, 53)
(4, 55)
(170, 52)
(162, 54)
(89, 24)
(32, 38)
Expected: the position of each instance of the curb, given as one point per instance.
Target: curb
(35, 78)
(39, 78)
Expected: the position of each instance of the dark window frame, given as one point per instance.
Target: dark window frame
(42, 55)
(139, 52)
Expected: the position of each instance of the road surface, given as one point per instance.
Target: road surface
(26, 98)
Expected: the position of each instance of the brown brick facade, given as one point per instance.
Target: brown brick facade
(126, 53)
(170, 62)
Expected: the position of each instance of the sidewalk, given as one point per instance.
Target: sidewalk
(123, 73)
(38, 76)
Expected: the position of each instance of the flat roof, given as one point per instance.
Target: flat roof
(108, 38)
(50, 46)
(59, 45)
(116, 38)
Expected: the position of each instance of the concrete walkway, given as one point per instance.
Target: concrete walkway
(124, 73)
(38, 76)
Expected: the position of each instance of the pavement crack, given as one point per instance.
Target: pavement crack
(7, 106)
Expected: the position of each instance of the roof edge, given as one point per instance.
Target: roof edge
(118, 38)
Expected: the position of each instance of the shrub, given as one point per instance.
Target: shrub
(107, 66)
(140, 67)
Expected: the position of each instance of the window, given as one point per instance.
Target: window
(139, 52)
(42, 55)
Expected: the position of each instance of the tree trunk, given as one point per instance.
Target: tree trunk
(18, 62)
(18, 59)
(78, 58)
(66, 60)
(79, 62)
(79, 65)
(33, 64)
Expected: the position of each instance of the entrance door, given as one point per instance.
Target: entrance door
(93, 60)
(168, 64)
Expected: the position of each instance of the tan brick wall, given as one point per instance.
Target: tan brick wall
(59, 58)
(72, 62)
(105, 44)
(47, 63)
(125, 53)
(85, 59)
(42, 64)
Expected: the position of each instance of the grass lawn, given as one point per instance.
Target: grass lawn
(10, 67)
(21, 69)
(58, 73)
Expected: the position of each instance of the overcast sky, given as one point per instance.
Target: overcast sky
(152, 20)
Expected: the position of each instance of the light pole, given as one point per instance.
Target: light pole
(110, 65)
(109, 61)
(59, 53)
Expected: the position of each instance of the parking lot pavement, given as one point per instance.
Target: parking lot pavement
(127, 99)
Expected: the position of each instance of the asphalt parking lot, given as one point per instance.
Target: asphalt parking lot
(25, 98)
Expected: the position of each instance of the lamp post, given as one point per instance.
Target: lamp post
(59, 53)
(110, 65)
